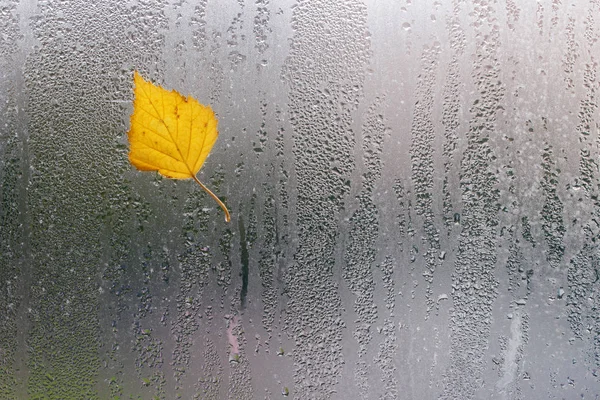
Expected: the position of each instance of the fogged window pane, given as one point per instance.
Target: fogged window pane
(413, 186)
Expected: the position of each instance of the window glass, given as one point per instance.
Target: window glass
(414, 191)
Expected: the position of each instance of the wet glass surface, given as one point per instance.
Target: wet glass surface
(413, 186)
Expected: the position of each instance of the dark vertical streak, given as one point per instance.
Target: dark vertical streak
(245, 262)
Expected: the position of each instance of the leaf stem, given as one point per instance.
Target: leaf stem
(215, 198)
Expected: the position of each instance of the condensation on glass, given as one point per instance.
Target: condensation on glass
(414, 189)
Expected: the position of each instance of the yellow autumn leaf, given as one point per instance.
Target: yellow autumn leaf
(170, 133)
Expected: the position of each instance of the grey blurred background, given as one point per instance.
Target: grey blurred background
(413, 186)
